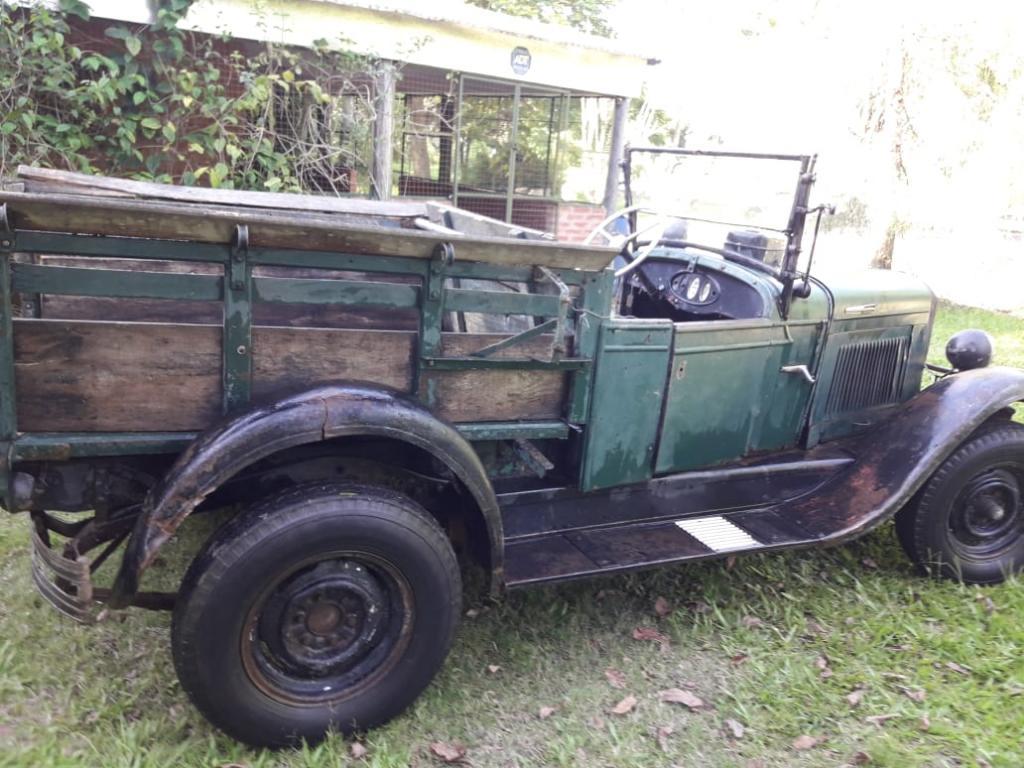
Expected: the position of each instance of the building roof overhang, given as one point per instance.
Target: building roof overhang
(446, 35)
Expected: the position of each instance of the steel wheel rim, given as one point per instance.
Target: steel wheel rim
(327, 629)
(987, 515)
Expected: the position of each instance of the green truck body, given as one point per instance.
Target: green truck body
(164, 351)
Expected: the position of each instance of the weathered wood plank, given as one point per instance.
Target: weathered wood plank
(293, 202)
(278, 229)
(498, 395)
(74, 376)
(290, 359)
(112, 377)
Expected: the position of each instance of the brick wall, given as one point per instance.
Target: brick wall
(577, 220)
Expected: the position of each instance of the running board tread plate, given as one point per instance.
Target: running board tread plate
(590, 551)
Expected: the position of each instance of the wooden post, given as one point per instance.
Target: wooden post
(383, 126)
(611, 186)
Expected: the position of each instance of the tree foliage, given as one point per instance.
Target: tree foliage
(155, 102)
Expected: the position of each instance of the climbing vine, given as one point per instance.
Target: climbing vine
(157, 102)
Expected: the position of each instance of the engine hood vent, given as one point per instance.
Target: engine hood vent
(867, 374)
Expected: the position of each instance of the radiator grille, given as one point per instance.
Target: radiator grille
(868, 373)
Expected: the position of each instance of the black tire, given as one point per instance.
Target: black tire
(967, 522)
(327, 607)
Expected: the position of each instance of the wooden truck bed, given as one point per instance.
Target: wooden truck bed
(145, 308)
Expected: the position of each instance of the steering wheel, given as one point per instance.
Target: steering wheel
(639, 256)
(661, 223)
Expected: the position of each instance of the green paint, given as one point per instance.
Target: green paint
(238, 329)
(500, 303)
(432, 305)
(52, 447)
(502, 363)
(121, 247)
(527, 430)
(348, 292)
(35, 278)
(628, 389)
(8, 416)
(395, 265)
(595, 304)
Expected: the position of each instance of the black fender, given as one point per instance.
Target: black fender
(312, 416)
(895, 459)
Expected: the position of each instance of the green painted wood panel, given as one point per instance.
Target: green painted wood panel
(628, 388)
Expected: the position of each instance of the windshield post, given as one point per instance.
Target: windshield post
(795, 231)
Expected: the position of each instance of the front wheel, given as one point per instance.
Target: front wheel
(967, 523)
(325, 607)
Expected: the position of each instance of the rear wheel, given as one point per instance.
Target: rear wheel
(967, 523)
(326, 607)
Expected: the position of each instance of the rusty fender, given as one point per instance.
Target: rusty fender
(897, 457)
(318, 414)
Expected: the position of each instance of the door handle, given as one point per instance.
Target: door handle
(799, 370)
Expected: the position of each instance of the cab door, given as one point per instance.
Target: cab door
(728, 392)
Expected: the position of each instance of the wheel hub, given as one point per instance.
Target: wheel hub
(989, 510)
(325, 620)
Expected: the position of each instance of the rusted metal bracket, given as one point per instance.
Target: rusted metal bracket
(6, 230)
(562, 321)
(532, 457)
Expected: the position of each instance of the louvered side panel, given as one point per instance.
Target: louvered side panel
(868, 373)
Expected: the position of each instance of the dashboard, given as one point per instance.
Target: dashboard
(688, 290)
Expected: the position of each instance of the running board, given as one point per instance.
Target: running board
(563, 555)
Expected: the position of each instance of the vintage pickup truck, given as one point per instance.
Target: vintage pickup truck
(387, 393)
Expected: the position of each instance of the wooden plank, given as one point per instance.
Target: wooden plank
(112, 377)
(278, 229)
(497, 395)
(74, 376)
(291, 359)
(292, 202)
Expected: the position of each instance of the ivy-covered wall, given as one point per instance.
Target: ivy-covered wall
(157, 103)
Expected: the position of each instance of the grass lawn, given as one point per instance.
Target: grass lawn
(846, 647)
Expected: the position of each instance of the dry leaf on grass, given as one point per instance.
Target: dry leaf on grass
(545, 712)
(736, 728)
(649, 633)
(870, 563)
(879, 720)
(357, 750)
(448, 753)
(914, 694)
(493, 669)
(861, 758)
(730, 562)
(854, 697)
(739, 658)
(924, 723)
(804, 742)
(662, 607)
(615, 678)
(751, 622)
(664, 732)
(679, 696)
(625, 706)
(960, 670)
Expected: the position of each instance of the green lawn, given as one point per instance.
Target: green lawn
(845, 646)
